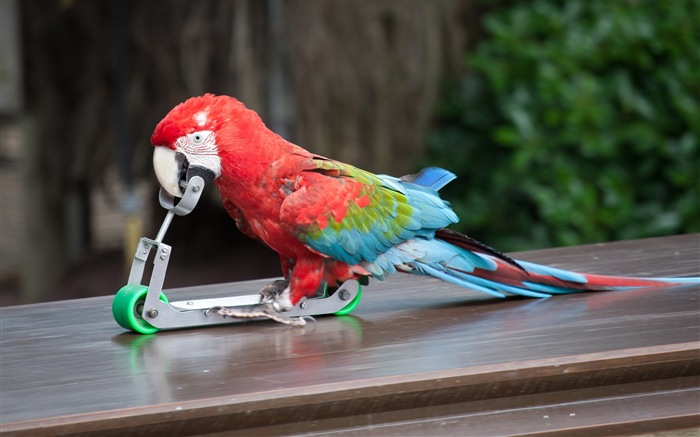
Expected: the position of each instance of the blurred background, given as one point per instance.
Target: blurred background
(567, 122)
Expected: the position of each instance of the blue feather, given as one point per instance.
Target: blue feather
(498, 286)
(551, 289)
(393, 257)
(432, 177)
(448, 278)
(392, 183)
(564, 275)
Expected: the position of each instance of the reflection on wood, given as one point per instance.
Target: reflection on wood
(418, 357)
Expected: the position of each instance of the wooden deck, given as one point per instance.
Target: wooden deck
(417, 357)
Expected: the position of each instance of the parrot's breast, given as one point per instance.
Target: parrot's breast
(260, 207)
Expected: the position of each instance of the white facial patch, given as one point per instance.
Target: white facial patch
(201, 118)
(201, 150)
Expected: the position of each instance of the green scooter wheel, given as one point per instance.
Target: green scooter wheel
(127, 307)
(347, 309)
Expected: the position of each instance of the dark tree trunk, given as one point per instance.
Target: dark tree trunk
(365, 75)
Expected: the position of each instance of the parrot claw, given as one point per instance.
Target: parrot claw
(273, 290)
(263, 310)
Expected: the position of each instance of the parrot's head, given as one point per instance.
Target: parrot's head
(186, 142)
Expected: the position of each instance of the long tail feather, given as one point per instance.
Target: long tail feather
(504, 275)
(464, 261)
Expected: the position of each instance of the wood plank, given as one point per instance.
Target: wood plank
(412, 343)
(601, 411)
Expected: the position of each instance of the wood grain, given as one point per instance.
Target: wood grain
(417, 357)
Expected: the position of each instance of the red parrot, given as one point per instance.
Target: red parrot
(332, 222)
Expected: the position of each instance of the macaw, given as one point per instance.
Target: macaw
(330, 221)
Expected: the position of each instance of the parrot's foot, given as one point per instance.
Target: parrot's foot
(274, 289)
(263, 310)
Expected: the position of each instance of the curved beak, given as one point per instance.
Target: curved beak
(169, 167)
(173, 170)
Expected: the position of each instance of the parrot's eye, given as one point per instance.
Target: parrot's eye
(203, 138)
(198, 138)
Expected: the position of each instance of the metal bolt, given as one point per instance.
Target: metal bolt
(196, 188)
(190, 303)
(303, 305)
(152, 313)
(344, 294)
(162, 256)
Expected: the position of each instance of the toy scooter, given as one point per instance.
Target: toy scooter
(146, 309)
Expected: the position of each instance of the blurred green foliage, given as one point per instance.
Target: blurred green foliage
(580, 122)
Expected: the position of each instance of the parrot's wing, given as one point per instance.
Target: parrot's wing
(354, 216)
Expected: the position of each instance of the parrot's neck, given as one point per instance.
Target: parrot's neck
(248, 150)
